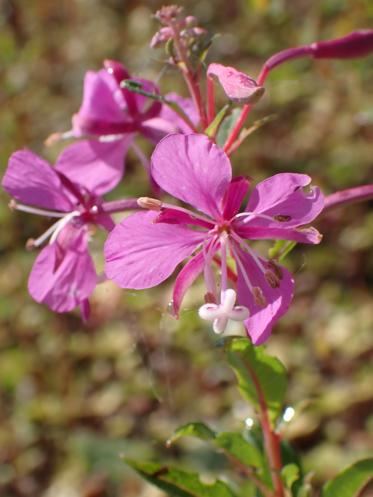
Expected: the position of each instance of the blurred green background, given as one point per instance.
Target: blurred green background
(74, 397)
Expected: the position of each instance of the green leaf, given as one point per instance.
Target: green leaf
(239, 448)
(178, 483)
(227, 126)
(254, 367)
(350, 481)
(290, 474)
(198, 430)
(212, 129)
(281, 249)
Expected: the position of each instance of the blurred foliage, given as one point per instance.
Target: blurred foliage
(74, 397)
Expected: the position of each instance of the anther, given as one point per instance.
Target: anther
(210, 298)
(30, 244)
(276, 269)
(282, 218)
(12, 204)
(272, 279)
(52, 139)
(259, 297)
(151, 204)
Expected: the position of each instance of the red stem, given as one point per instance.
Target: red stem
(189, 76)
(271, 438)
(210, 100)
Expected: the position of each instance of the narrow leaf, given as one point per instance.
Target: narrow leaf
(178, 483)
(350, 481)
(290, 474)
(239, 448)
(254, 367)
(198, 430)
(212, 129)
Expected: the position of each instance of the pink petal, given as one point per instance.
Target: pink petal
(262, 318)
(193, 169)
(238, 86)
(187, 105)
(98, 166)
(185, 279)
(300, 235)
(234, 196)
(140, 254)
(283, 195)
(102, 101)
(32, 181)
(175, 216)
(63, 278)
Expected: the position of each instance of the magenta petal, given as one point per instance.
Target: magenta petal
(234, 196)
(300, 235)
(262, 318)
(193, 169)
(175, 216)
(283, 195)
(187, 105)
(140, 254)
(185, 279)
(101, 101)
(98, 166)
(32, 181)
(238, 86)
(63, 278)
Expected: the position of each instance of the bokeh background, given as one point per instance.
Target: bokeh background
(74, 397)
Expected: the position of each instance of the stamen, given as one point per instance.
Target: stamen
(33, 210)
(272, 279)
(275, 268)
(259, 297)
(31, 243)
(247, 249)
(208, 271)
(190, 213)
(248, 216)
(62, 224)
(151, 204)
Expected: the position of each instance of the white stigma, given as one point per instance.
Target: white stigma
(221, 313)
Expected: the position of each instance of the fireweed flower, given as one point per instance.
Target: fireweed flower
(145, 248)
(63, 275)
(111, 117)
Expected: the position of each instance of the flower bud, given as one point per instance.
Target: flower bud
(356, 44)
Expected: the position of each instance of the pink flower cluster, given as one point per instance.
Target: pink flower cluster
(145, 248)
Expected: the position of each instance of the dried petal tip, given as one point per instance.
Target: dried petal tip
(151, 204)
(238, 87)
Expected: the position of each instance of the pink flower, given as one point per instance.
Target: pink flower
(194, 170)
(63, 275)
(112, 116)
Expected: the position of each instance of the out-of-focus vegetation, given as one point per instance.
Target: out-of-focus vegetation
(74, 397)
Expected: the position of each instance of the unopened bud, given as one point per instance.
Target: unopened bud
(259, 297)
(168, 14)
(151, 204)
(356, 44)
(272, 279)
